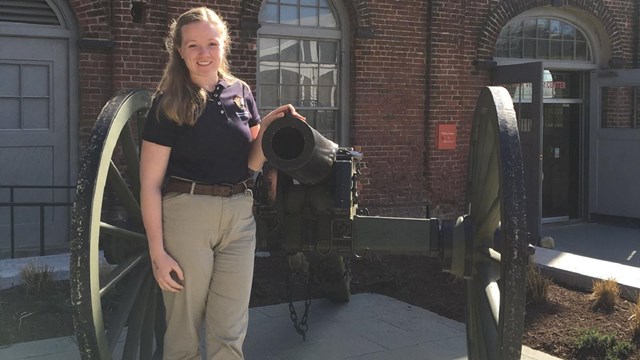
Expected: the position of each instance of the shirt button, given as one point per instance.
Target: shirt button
(219, 103)
(215, 95)
(221, 111)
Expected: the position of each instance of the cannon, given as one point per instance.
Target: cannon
(306, 202)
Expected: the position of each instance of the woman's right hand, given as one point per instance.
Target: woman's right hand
(163, 265)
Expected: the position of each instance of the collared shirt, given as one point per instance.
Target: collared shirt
(216, 149)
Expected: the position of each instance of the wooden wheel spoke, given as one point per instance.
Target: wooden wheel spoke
(121, 233)
(487, 221)
(119, 273)
(131, 155)
(120, 187)
(482, 170)
(136, 319)
(492, 292)
(147, 336)
(118, 320)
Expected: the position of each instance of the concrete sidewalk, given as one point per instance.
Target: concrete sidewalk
(369, 327)
(376, 327)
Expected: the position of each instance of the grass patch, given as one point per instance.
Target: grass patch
(537, 284)
(605, 294)
(38, 279)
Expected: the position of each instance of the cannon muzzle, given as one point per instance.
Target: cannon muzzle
(299, 150)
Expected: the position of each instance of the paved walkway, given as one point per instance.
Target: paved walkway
(369, 327)
(618, 244)
(376, 327)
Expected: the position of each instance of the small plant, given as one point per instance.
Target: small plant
(635, 319)
(605, 294)
(37, 279)
(593, 345)
(537, 284)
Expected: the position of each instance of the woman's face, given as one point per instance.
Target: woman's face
(202, 49)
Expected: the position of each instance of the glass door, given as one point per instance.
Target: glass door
(561, 162)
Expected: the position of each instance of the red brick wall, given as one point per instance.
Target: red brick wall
(453, 88)
(388, 121)
(618, 107)
(412, 68)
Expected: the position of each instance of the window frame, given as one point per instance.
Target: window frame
(592, 30)
(340, 34)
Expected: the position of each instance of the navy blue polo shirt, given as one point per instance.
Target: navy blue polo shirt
(216, 149)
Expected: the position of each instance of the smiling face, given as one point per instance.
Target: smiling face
(202, 50)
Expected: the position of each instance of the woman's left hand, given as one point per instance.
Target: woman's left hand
(280, 112)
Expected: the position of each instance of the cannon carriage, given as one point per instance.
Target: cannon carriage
(306, 203)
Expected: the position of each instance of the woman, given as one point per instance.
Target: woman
(204, 135)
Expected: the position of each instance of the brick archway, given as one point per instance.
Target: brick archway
(93, 20)
(358, 12)
(507, 10)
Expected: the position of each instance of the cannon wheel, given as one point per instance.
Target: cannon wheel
(497, 210)
(127, 299)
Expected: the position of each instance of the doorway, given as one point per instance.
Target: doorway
(560, 163)
(562, 141)
(38, 126)
(552, 126)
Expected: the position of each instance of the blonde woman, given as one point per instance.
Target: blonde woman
(202, 139)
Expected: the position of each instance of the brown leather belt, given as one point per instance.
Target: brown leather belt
(227, 190)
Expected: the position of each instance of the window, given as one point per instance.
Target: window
(303, 69)
(543, 38)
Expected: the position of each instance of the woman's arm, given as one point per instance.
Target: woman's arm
(256, 156)
(154, 159)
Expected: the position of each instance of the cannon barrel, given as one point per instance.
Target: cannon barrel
(299, 150)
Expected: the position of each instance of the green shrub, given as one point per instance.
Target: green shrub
(635, 318)
(593, 345)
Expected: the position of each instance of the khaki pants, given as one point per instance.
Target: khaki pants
(213, 240)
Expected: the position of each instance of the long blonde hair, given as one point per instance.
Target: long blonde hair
(183, 101)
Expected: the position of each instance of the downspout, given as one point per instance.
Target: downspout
(636, 56)
(636, 34)
(427, 101)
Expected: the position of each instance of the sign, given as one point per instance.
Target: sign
(446, 137)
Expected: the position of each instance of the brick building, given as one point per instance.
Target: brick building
(378, 75)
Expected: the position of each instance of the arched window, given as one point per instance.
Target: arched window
(300, 49)
(543, 38)
(28, 12)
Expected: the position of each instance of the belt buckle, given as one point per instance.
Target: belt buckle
(228, 188)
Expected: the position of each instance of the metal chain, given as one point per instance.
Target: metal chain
(354, 180)
(301, 327)
(347, 268)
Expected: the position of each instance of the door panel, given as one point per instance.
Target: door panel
(614, 151)
(34, 135)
